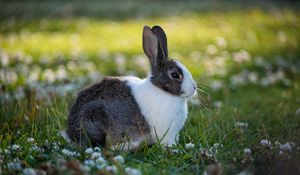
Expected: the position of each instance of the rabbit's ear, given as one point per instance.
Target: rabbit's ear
(150, 45)
(162, 41)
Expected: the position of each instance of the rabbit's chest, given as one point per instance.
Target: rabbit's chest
(165, 114)
(165, 117)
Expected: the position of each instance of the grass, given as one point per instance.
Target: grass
(245, 57)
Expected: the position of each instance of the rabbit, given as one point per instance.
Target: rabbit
(126, 111)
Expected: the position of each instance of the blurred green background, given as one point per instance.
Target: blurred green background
(243, 55)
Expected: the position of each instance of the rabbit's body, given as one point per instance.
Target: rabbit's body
(129, 110)
(102, 110)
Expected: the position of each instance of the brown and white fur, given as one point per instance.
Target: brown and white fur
(128, 110)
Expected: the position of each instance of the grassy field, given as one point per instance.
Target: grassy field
(244, 57)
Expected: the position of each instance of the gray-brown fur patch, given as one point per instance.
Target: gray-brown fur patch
(106, 110)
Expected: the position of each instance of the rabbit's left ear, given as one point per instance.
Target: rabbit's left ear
(162, 42)
(150, 46)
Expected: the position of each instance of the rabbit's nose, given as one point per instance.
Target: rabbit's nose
(194, 86)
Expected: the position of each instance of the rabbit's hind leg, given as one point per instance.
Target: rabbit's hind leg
(93, 121)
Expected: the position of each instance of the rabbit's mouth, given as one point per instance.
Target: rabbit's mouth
(188, 95)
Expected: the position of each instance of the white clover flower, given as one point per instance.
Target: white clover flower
(211, 49)
(132, 171)
(89, 162)
(35, 148)
(277, 143)
(61, 73)
(298, 112)
(189, 146)
(49, 75)
(112, 169)
(216, 85)
(221, 42)
(286, 147)
(247, 151)
(70, 153)
(218, 104)
(175, 151)
(30, 140)
(252, 76)
(56, 147)
(14, 166)
(241, 56)
(100, 160)
(15, 147)
(4, 59)
(119, 159)
(121, 63)
(89, 151)
(101, 167)
(95, 155)
(141, 62)
(97, 149)
(217, 145)
(265, 142)
(29, 171)
(85, 168)
(241, 125)
(6, 151)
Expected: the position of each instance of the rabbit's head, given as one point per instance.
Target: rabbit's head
(167, 74)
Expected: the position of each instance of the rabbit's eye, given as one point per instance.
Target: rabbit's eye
(175, 75)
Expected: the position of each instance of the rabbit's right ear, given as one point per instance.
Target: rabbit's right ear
(150, 45)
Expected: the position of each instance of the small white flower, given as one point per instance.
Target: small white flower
(70, 153)
(220, 41)
(211, 49)
(95, 155)
(56, 147)
(101, 167)
(218, 104)
(97, 149)
(242, 125)
(29, 171)
(112, 169)
(14, 166)
(101, 160)
(298, 112)
(132, 171)
(89, 151)
(119, 159)
(175, 151)
(89, 162)
(85, 168)
(189, 146)
(252, 76)
(15, 147)
(217, 145)
(216, 85)
(241, 56)
(35, 148)
(247, 151)
(30, 140)
(6, 151)
(286, 147)
(265, 142)
(277, 143)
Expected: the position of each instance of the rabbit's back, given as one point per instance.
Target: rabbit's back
(106, 109)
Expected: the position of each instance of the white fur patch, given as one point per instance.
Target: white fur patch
(165, 113)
